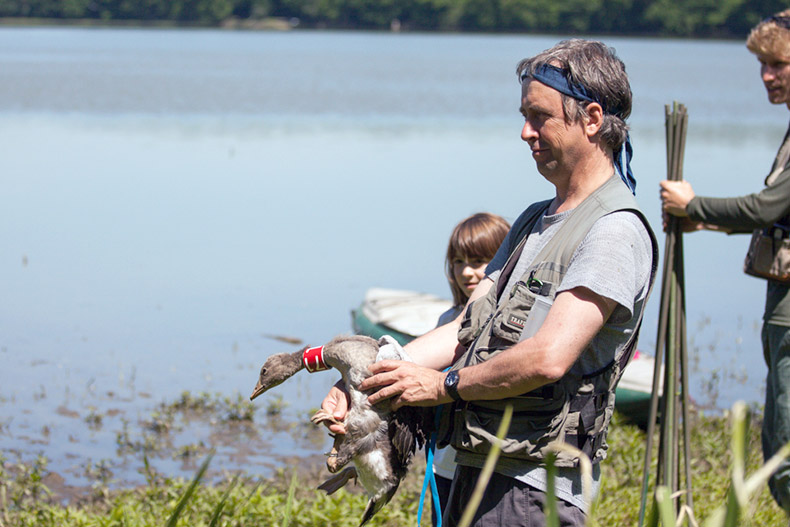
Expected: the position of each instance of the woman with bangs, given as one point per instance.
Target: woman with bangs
(473, 243)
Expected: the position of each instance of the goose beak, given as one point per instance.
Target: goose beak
(259, 389)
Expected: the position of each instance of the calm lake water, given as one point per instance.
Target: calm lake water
(173, 199)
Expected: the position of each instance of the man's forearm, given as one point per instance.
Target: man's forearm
(574, 319)
(514, 371)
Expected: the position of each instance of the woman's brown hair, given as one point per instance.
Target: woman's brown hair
(476, 237)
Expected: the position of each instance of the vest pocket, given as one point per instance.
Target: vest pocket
(510, 324)
(475, 317)
(536, 422)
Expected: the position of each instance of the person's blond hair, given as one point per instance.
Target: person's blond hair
(771, 36)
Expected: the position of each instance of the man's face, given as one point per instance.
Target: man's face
(555, 144)
(775, 73)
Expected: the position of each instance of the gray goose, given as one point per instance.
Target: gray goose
(380, 442)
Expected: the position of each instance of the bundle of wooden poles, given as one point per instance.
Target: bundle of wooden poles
(670, 398)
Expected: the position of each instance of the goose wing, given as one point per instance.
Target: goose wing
(409, 429)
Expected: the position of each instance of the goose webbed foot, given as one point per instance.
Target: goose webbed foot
(322, 416)
(332, 464)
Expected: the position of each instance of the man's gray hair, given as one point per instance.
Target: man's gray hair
(597, 68)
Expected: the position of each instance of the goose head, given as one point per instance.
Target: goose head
(276, 370)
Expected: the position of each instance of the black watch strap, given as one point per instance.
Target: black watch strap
(451, 385)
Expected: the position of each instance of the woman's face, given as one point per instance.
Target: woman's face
(467, 273)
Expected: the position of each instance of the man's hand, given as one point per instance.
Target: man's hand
(406, 384)
(336, 403)
(675, 196)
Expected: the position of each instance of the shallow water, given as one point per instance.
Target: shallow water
(173, 199)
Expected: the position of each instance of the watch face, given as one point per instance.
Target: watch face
(451, 385)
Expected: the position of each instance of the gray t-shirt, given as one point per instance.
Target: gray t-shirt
(614, 260)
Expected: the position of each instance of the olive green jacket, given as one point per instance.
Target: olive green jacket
(754, 211)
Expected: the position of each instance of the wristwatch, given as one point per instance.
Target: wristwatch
(451, 385)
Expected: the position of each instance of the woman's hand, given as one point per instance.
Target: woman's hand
(336, 403)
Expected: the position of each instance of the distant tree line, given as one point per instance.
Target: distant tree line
(689, 18)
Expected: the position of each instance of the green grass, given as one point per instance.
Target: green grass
(290, 498)
(285, 500)
(711, 462)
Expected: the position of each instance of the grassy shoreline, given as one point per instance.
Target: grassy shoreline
(290, 498)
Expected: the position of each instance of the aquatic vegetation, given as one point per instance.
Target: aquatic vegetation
(276, 405)
(28, 487)
(99, 472)
(224, 408)
(123, 438)
(238, 409)
(191, 451)
(94, 419)
(716, 364)
(289, 496)
(200, 403)
(160, 422)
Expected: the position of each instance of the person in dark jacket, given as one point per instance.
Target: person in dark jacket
(770, 207)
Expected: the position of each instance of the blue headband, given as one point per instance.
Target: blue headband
(557, 78)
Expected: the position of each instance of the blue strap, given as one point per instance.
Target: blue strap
(430, 478)
(558, 78)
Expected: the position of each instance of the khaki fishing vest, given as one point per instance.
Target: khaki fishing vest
(575, 409)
